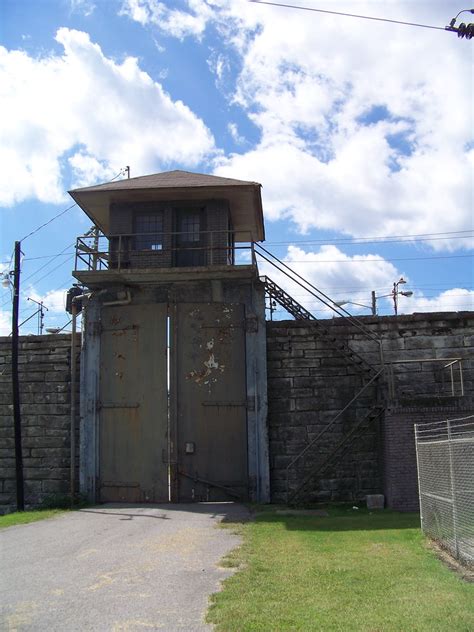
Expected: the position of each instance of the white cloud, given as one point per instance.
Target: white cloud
(5, 322)
(54, 300)
(453, 300)
(351, 279)
(172, 22)
(234, 132)
(339, 276)
(85, 7)
(308, 81)
(321, 165)
(91, 109)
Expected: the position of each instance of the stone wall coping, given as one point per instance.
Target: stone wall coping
(374, 320)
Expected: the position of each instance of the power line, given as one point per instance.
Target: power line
(379, 259)
(49, 262)
(348, 15)
(49, 221)
(362, 242)
(63, 254)
(121, 172)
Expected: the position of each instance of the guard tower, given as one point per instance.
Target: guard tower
(173, 373)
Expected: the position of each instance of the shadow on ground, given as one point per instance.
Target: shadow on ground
(338, 519)
(226, 512)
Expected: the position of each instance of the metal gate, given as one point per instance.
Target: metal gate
(210, 408)
(133, 417)
(180, 436)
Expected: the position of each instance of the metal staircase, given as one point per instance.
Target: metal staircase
(370, 374)
(338, 450)
(278, 294)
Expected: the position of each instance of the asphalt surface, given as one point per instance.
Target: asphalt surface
(116, 568)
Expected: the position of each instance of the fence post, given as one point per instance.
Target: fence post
(419, 478)
(453, 489)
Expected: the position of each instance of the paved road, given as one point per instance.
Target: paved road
(115, 568)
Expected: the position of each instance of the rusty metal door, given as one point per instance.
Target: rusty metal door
(210, 402)
(133, 404)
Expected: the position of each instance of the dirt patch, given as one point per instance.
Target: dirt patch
(465, 572)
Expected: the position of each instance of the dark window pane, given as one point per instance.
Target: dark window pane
(190, 228)
(149, 231)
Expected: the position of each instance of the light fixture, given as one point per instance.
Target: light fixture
(6, 279)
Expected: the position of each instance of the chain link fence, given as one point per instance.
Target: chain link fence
(445, 457)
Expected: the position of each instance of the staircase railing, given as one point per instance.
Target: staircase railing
(299, 312)
(295, 460)
(371, 374)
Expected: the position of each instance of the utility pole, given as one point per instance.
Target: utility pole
(20, 496)
(374, 304)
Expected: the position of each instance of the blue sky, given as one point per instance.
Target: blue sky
(357, 130)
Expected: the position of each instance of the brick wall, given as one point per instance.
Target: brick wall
(44, 373)
(400, 471)
(310, 382)
(218, 240)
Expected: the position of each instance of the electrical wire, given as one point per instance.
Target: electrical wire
(355, 242)
(48, 263)
(48, 222)
(33, 232)
(349, 15)
(371, 260)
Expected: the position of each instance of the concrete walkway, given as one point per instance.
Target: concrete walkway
(115, 568)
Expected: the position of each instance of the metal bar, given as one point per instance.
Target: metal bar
(197, 479)
(108, 405)
(344, 314)
(461, 379)
(452, 378)
(437, 497)
(29, 318)
(423, 360)
(322, 466)
(119, 262)
(418, 475)
(453, 489)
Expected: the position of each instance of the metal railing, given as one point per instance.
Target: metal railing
(445, 459)
(455, 387)
(291, 494)
(96, 251)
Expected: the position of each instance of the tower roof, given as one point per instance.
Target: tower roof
(244, 197)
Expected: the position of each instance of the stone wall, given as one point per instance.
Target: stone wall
(44, 374)
(310, 382)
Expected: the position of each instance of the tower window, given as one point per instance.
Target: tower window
(149, 231)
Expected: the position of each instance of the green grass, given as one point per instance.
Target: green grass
(350, 571)
(24, 517)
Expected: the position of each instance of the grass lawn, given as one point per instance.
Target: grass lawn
(349, 571)
(23, 517)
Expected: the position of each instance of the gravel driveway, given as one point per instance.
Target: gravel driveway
(115, 567)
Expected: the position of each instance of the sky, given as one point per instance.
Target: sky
(359, 131)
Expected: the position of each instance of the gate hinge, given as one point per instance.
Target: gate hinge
(251, 324)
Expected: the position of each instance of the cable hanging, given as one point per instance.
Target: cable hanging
(463, 30)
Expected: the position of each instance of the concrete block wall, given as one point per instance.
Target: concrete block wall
(44, 374)
(309, 382)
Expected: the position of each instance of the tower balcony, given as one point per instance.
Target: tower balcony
(159, 257)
